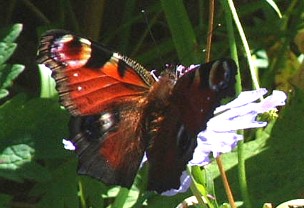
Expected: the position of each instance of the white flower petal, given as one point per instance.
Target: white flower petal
(243, 99)
(243, 117)
(185, 184)
(216, 143)
(244, 120)
(276, 99)
(144, 159)
(68, 145)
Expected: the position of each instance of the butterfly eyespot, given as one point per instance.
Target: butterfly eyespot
(219, 76)
(222, 85)
(74, 52)
(89, 126)
(185, 142)
(107, 121)
(182, 137)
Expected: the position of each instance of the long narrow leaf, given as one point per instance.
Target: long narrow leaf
(181, 30)
(275, 7)
(13, 33)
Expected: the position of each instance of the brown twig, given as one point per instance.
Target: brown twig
(210, 30)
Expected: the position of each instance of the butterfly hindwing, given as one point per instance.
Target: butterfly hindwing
(108, 144)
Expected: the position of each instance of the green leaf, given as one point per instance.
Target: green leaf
(5, 200)
(37, 122)
(61, 190)
(275, 7)
(35, 172)
(8, 73)
(124, 199)
(181, 30)
(9, 35)
(14, 157)
(6, 50)
(164, 201)
(3, 93)
(32, 129)
(92, 190)
(16, 164)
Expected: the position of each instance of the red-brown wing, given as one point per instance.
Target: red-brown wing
(108, 144)
(191, 104)
(104, 91)
(90, 77)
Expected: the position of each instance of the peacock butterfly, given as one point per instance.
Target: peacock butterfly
(119, 111)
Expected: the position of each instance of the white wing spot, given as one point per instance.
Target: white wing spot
(106, 121)
(85, 41)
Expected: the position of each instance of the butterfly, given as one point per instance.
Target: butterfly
(119, 111)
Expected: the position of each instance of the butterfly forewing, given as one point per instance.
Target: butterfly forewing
(190, 105)
(104, 91)
(89, 77)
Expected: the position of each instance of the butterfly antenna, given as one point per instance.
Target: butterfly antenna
(151, 34)
(156, 78)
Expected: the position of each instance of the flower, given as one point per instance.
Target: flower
(68, 145)
(185, 182)
(220, 135)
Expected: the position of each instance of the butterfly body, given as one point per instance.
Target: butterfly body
(119, 111)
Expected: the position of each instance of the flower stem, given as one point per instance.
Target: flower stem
(230, 10)
(81, 195)
(242, 174)
(232, 44)
(245, 43)
(225, 182)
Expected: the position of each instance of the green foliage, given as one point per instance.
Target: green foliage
(43, 174)
(8, 72)
(181, 31)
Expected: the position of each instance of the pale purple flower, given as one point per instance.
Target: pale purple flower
(68, 145)
(185, 182)
(215, 143)
(220, 135)
(240, 114)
